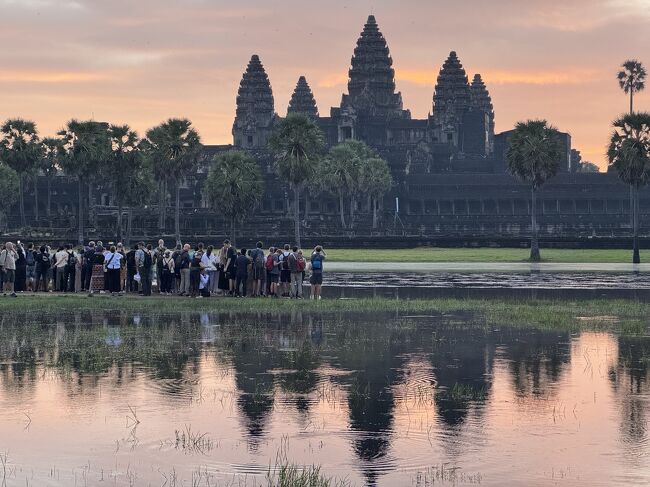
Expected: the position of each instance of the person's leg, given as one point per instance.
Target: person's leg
(244, 285)
(299, 285)
(72, 274)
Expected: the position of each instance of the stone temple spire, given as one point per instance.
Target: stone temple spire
(452, 90)
(481, 100)
(302, 101)
(255, 113)
(371, 85)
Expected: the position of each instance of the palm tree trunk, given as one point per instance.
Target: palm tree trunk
(161, 205)
(119, 221)
(232, 231)
(36, 197)
(374, 213)
(80, 210)
(341, 210)
(534, 242)
(352, 204)
(48, 209)
(296, 214)
(177, 216)
(636, 258)
(129, 223)
(21, 184)
(631, 101)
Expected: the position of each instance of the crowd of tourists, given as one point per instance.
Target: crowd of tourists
(194, 271)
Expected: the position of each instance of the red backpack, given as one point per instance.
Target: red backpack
(300, 263)
(269, 262)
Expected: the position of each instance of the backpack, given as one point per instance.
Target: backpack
(130, 259)
(316, 264)
(147, 260)
(178, 260)
(269, 262)
(285, 262)
(29, 258)
(300, 264)
(72, 259)
(258, 259)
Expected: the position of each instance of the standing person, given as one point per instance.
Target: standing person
(269, 267)
(145, 272)
(43, 264)
(212, 268)
(88, 260)
(297, 267)
(131, 270)
(97, 275)
(70, 269)
(195, 271)
(159, 255)
(30, 269)
(60, 263)
(2, 274)
(241, 269)
(8, 259)
(276, 290)
(285, 272)
(77, 276)
(21, 269)
(318, 256)
(223, 284)
(139, 262)
(113, 264)
(120, 250)
(258, 267)
(230, 266)
(167, 273)
(176, 278)
(184, 266)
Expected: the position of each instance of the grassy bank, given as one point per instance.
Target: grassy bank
(625, 316)
(483, 254)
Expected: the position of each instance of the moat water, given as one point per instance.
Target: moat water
(117, 398)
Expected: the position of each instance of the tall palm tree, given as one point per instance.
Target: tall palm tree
(124, 162)
(297, 143)
(53, 151)
(20, 150)
(533, 156)
(175, 147)
(631, 79)
(629, 154)
(234, 186)
(376, 181)
(337, 174)
(87, 146)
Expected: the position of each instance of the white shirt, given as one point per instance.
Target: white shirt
(115, 262)
(204, 281)
(60, 259)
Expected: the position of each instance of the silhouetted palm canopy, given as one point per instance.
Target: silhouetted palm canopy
(629, 148)
(234, 185)
(534, 152)
(631, 78)
(174, 147)
(297, 143)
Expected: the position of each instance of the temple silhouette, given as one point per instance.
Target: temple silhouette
(451, 184)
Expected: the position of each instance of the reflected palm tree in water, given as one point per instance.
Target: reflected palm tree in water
(629, 378)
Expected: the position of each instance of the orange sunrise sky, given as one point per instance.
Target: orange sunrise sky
(140, 62)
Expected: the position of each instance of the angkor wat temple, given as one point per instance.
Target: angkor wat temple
(450, 177)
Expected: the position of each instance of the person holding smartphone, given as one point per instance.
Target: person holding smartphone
(318, 256)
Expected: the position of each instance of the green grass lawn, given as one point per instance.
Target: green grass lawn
(621, 316)
(483, 254)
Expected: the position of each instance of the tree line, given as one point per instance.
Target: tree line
(139, 170)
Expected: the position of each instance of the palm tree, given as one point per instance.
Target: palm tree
(20, 150)
(87, 146)
(175, 147)
(376, 181)
(629, 154)
(337, 173)
(125, 161)
(631, 79)
(234, 186)
(50, 164)
(533, 156)
(137, 191)
(297, 143)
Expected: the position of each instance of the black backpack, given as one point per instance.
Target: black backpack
(29, 258)
(72, 259)
(147, 260)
